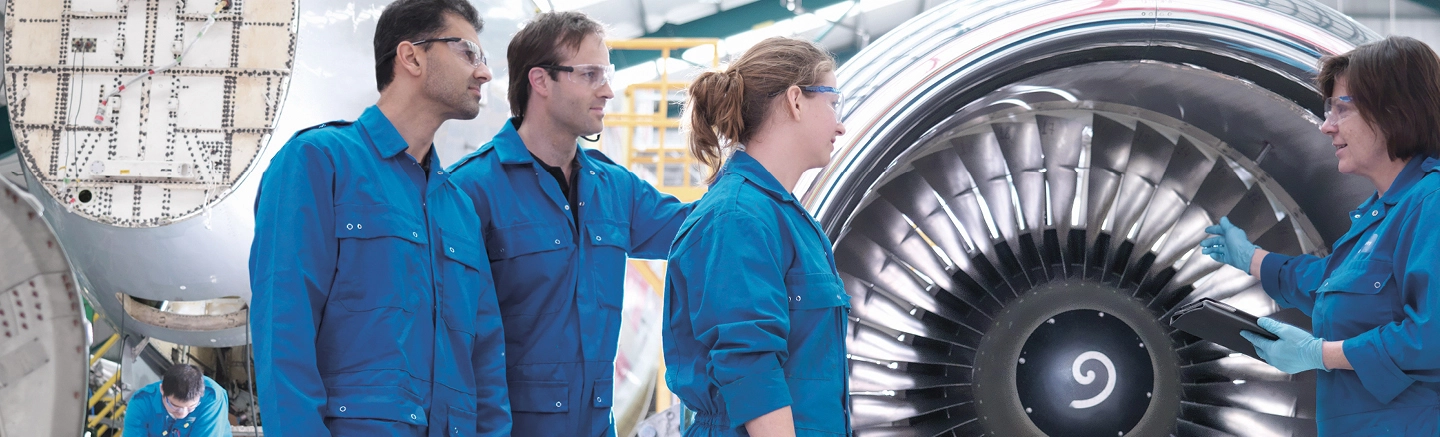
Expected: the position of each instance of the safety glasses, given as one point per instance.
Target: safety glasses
(180, 410)
(592, 75)
(837, 105)
(1338, 108)
(467, 50)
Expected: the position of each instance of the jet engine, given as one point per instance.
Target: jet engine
(1017, 204)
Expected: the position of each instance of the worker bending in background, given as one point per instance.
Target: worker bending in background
(184, 403)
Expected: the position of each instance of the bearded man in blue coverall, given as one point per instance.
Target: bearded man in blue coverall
(559, 222)
(184, 403)
(373, 309)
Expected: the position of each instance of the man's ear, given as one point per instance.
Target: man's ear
(409, 59)
(539, 81)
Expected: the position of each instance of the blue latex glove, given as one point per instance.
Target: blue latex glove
(1229, 245)
(1296, 351)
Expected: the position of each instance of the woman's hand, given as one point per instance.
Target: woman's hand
(1296, 351)
(1229, 245)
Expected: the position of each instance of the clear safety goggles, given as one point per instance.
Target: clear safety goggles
(1338, 108)
(836, 106)
(467, 50)
(592, 75)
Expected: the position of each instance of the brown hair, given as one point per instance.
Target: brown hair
(726, 108)
(1395, 84)
(543, 41)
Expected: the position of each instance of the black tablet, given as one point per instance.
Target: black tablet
(1220, 323)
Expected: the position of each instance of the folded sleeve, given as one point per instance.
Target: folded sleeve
(740, 312)
(1292, 280)
(292, 265)
(1391, 357)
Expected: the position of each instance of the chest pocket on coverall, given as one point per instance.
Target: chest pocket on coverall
(814, 339)
(526, 251)
(814, 370)
(462, 267)
(1353, 298)
(373, 239)
(609, 245)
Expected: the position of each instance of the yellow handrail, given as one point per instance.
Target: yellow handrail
(103, 414)
(99, 393)
(103, 349)
(110, 412)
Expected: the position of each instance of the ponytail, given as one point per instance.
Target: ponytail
(716, 100)
(725, 108)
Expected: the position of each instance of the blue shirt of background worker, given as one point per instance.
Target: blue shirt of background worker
(184, 403)
(559, 222)
(373, 311)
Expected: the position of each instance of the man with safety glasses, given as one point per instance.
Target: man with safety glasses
(373, 309)
(559, 221)
(184, 403)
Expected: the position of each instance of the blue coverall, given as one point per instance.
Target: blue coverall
(560, 283)
(1379, 292)
(145, 415)
(755, 310)
(373, 310)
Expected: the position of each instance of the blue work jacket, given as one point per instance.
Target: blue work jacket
(371, 295)
(145, 415)
(559, 282)
(755, 311)
(1379, 292)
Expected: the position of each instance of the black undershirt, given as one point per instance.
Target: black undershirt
(566, 187)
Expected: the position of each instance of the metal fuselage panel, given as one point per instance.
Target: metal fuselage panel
(202, 253)
(42, 327)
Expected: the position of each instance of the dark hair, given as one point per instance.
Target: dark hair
(730, 106)
(411, 20)
(543, 41)
(183, 381)
(1395, 84)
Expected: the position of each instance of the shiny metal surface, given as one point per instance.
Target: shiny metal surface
(204, 257)
(996, 149)
(43, 344)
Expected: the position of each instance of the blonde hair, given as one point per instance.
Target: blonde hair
(725, 108)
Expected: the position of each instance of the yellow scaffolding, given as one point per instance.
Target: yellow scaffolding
(659, 157)
(114, 410)
(666, 160)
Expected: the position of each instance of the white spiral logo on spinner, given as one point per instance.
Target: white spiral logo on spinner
(1089, 377)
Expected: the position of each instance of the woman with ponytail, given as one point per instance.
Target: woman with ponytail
(755, 310)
